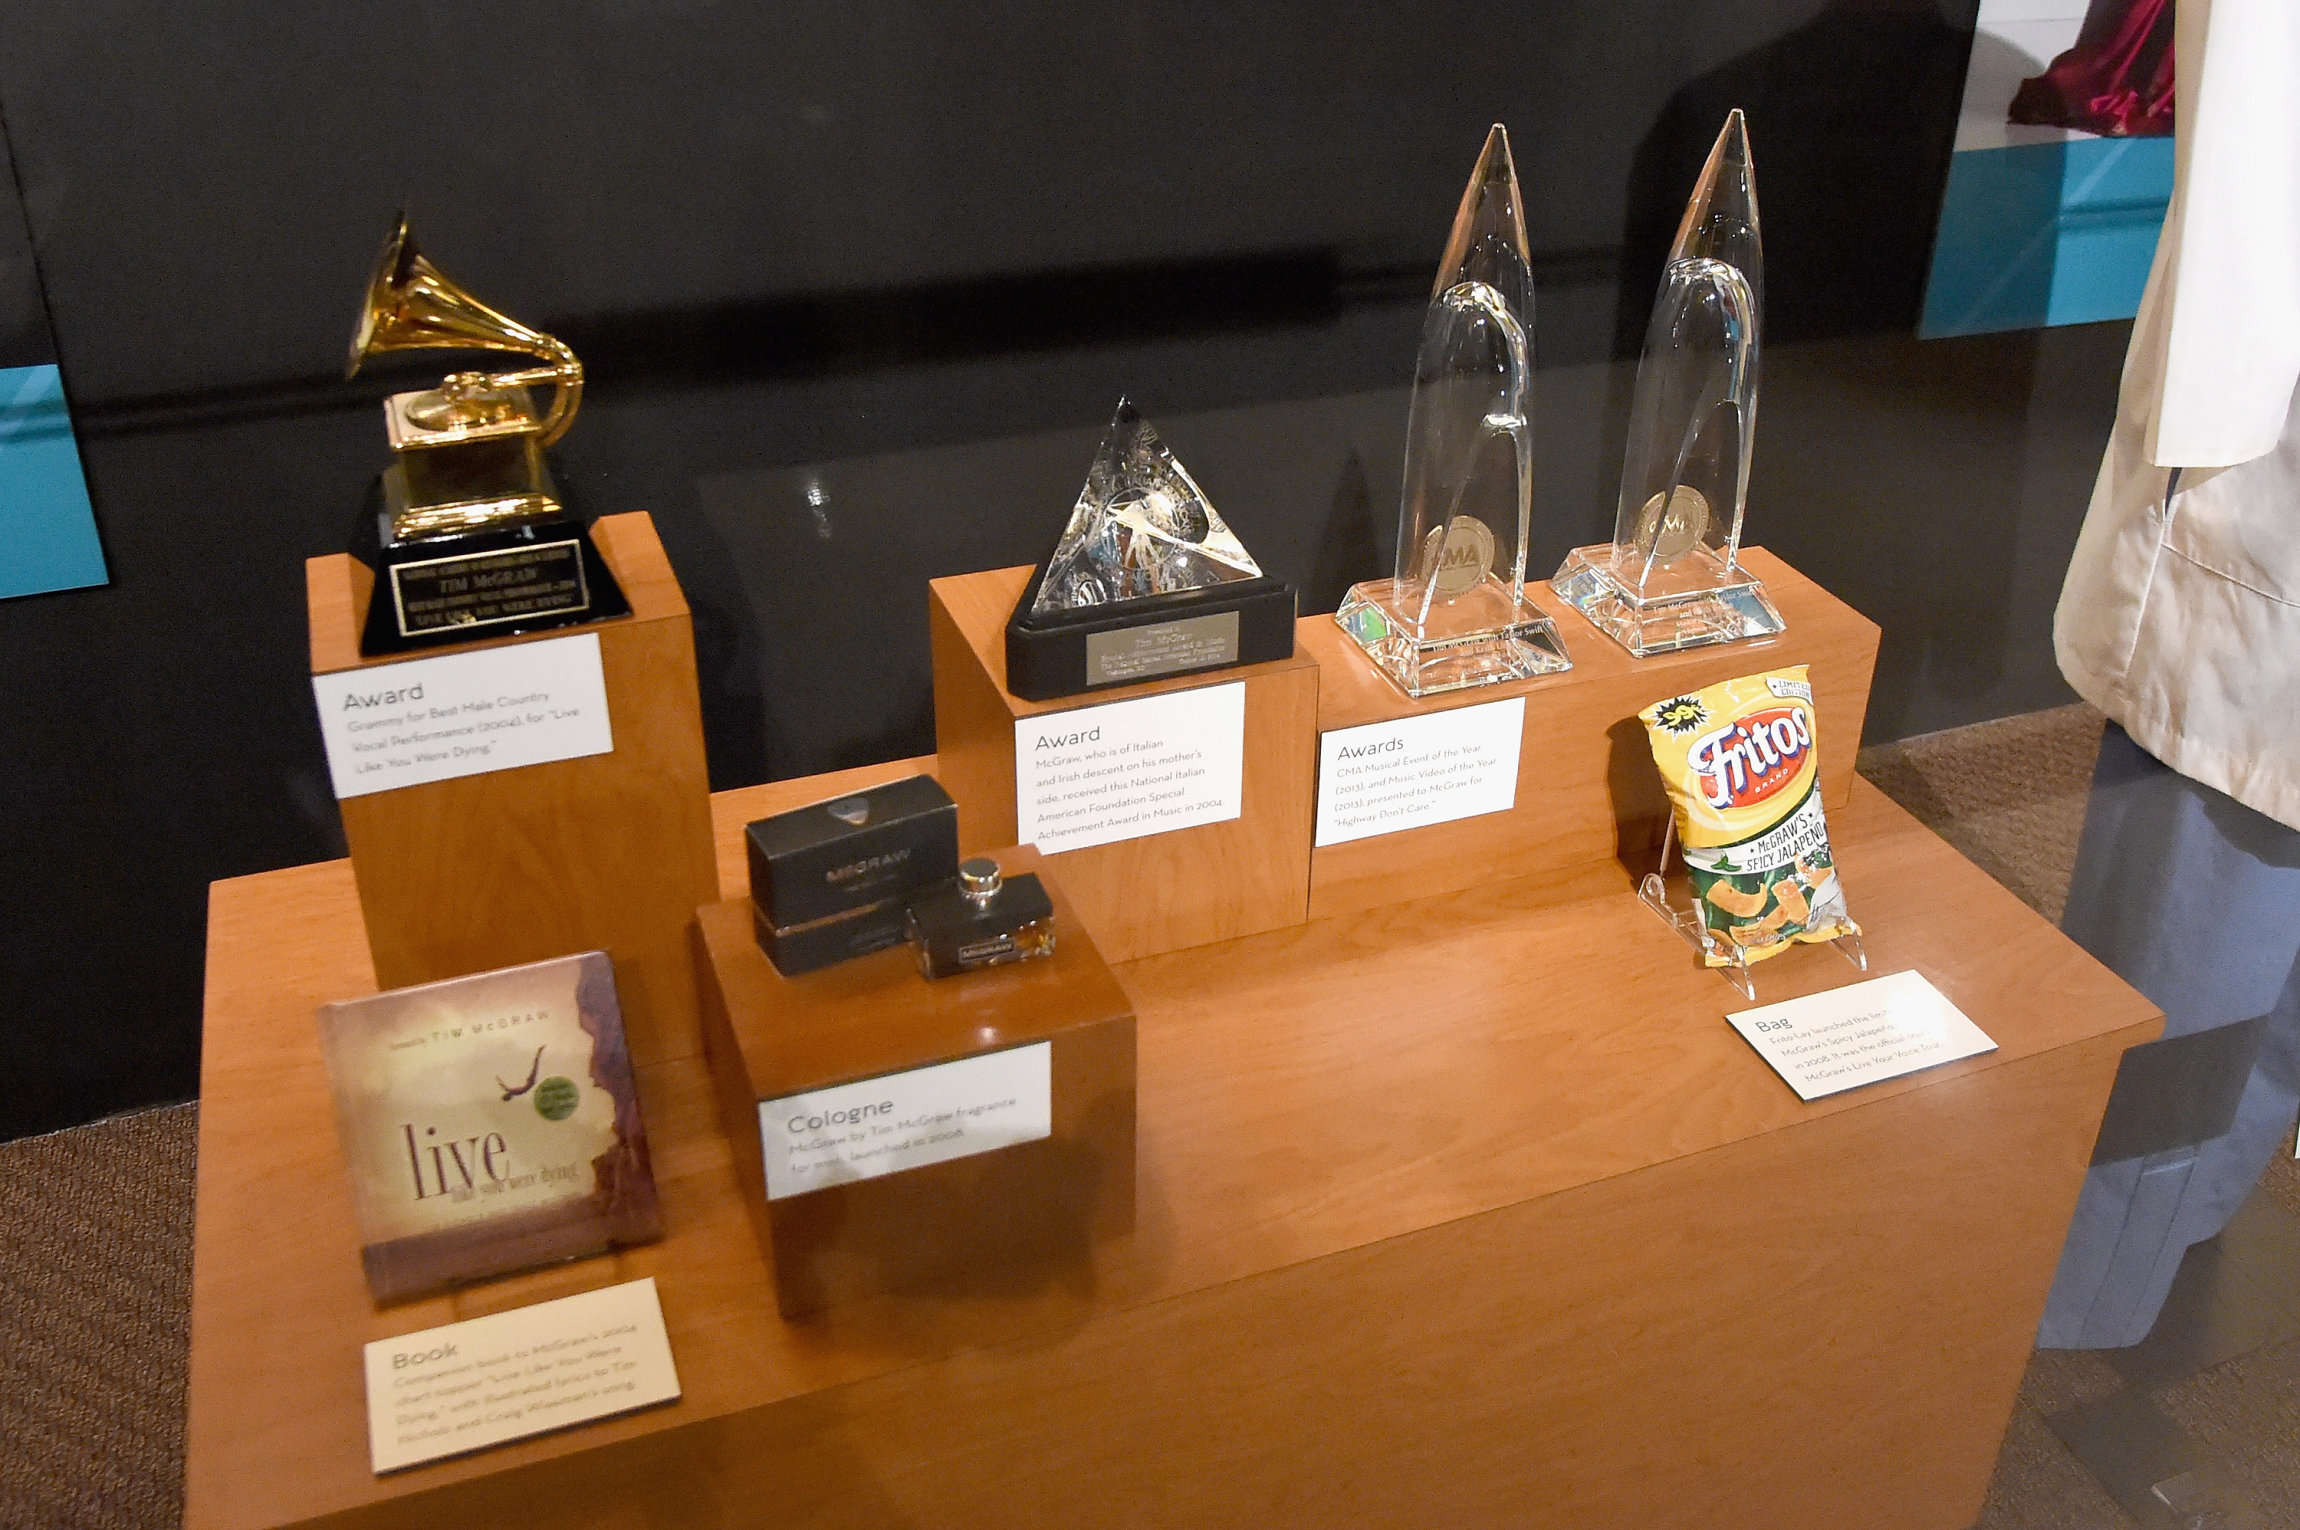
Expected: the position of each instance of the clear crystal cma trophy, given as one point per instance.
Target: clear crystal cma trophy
(1672, 577)
(1455, 614)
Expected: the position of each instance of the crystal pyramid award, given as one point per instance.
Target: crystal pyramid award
(1455, 613)
(1672, 578)
(1146, 581)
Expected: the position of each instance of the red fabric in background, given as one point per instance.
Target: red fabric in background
(2116, 81)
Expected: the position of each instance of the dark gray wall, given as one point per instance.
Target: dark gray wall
(207, 179)
(910, 256)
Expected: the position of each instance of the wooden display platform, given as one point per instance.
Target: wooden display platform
(1241, 877)
(607, 852)
(1470, 1210)
(1587, 789)
(990, 1217)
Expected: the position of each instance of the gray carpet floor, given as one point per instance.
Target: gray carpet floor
(2199, 1427)
(95, 1295)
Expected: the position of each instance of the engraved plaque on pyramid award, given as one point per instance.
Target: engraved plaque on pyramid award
(465, 531)
(1671, 578)
(1146, 582)
(1455, 613)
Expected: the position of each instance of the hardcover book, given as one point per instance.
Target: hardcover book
(489, 1123)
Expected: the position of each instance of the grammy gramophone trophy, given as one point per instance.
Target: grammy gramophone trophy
(466, 534)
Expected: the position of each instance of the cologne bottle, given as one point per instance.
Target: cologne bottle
(980, 920)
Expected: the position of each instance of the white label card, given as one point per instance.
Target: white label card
(1098, 775)
(1418, 770)
(465, 1386)
(463, 714)
(1860, 1034)
(900, 1121)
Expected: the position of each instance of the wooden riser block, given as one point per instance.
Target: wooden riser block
(610, 852)
(1011, 1219)
(1186, 887)
(1588, 793)
(1541, 1226)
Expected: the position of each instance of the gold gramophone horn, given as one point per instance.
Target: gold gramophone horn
(411, 306)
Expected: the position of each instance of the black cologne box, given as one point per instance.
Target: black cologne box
(828, 878)
(819, 943)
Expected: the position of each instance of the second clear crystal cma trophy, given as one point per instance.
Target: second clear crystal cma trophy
(1672, 577)
(1455, 614)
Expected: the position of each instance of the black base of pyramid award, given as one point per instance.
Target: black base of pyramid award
(1146, 582)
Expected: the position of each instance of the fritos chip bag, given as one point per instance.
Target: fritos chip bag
(1739, 761)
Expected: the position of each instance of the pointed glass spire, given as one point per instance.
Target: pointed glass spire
(1720, 221)
(1487, 243)
(1141, 526)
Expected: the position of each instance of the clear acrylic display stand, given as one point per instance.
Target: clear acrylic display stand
(1686, 920)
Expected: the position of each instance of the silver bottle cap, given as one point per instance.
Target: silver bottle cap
(978, 879)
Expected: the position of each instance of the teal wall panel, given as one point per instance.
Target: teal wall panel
(2049, 233)
(48, 535)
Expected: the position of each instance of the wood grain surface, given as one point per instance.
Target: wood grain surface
(1465, 1210)
(1587, 789)
(608, 852)
(1218, 880)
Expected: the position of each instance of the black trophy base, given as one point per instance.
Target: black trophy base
(482, 584)
(1248, 621)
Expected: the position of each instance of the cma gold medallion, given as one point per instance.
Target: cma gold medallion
(1670, 526)
(468, 453)
(1458, 555)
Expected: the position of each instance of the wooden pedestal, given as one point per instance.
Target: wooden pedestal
(1005, 1220)
(612, 851)
(1470, 1211)
(1588, 793)
(1164, 891)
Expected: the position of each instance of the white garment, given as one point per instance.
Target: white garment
(2181, 614)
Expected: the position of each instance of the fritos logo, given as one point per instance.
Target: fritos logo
(1749, 760)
